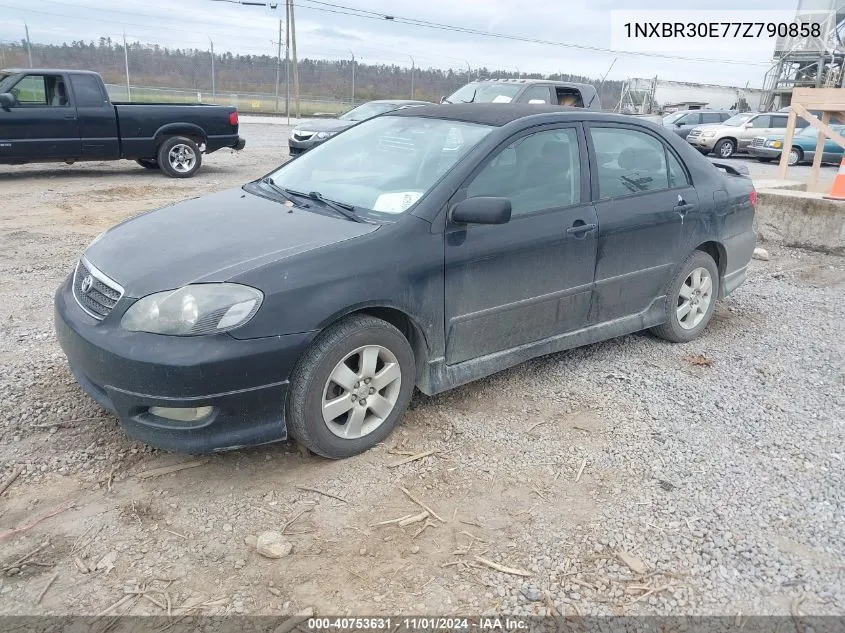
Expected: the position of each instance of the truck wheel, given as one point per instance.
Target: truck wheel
(179, 157)
(148, 163)
(351, 387)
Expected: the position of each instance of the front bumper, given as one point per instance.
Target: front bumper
(246, 381)
(299, 147)
(701, 142)
(764, 152)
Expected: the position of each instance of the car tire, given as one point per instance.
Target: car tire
(682, 323)
(796, 155)
(179, 157)
(725, 148)
(357, 351)
(148, 163)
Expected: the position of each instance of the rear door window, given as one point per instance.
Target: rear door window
(630, 162)
(86, 89)
(536, 94)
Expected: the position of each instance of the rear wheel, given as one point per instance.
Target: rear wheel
(691, 299)
(148, 163)
(725, 148)
(351, 387)
(179, 157)
(795, 156)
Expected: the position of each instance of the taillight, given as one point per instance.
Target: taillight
(233, 118)
(753, 198)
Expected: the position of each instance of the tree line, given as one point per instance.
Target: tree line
(186, 68)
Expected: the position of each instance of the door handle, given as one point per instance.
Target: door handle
(683, 207)
(577, 229)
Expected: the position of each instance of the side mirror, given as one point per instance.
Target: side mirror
(482, 210)
(678, 123)
(746, 125)
(443, 99)
(7, 100)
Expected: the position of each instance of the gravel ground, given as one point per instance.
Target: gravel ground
(629, 477)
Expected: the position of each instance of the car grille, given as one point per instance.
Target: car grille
(758, 141)
(94, 292)
(302, 136)
(694, 134)
(398, 144)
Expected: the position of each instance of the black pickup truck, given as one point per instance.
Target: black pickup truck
(66, 116)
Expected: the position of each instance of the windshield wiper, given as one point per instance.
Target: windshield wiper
(270, 183)
(474, 92)
(346, 210)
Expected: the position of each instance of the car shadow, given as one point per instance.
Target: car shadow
(11, 173)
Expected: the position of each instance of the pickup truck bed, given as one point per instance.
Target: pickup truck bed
(66, 116)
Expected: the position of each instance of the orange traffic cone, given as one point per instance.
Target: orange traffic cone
(837, 192)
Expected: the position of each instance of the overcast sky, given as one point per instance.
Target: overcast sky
(321, 34)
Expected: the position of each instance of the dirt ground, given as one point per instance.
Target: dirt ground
(87, 528)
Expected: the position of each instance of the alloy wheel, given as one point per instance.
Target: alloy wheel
(361, 392)
(182, 158)
(694, 298)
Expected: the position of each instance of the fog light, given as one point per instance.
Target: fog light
(182, 414)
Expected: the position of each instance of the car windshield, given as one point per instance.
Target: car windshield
(478, 92)
(671, 118)
(367, 111)
(738, 119)
(381, 166)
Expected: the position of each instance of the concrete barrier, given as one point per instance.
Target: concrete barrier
(802, 219)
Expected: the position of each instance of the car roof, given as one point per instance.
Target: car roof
(47, 71)
(499, 114)
(549, 82)
(399, 102)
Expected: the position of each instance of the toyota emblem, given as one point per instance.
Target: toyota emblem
(87, 284)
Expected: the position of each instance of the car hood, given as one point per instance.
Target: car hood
(212, 238)
(325, 125)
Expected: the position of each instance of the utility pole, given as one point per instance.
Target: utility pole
(126, 63)
(469, 73)
(353, 78)
(213, 87)
(295, 63)
(278, 66)
(412, 77)
(287, 60)
(28, 46)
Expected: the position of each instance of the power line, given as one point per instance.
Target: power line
(373, 15)
(339, 53)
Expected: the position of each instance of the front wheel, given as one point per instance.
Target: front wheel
(691, 299)
(725, 148)
(351, 387)
(795, 156)
(179, 157)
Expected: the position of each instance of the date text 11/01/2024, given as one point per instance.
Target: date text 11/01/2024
(417, 624)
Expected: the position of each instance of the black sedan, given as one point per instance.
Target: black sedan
(424, 248)
(310, 133)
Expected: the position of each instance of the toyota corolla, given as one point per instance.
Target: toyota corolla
(424, 248)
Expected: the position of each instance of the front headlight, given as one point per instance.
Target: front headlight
(324, 135)
(775, 144)
(708, 134)
(194, 310)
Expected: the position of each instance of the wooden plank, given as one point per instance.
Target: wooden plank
(832, 99)
(817, 158)
(828, 131)
(787, 142)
